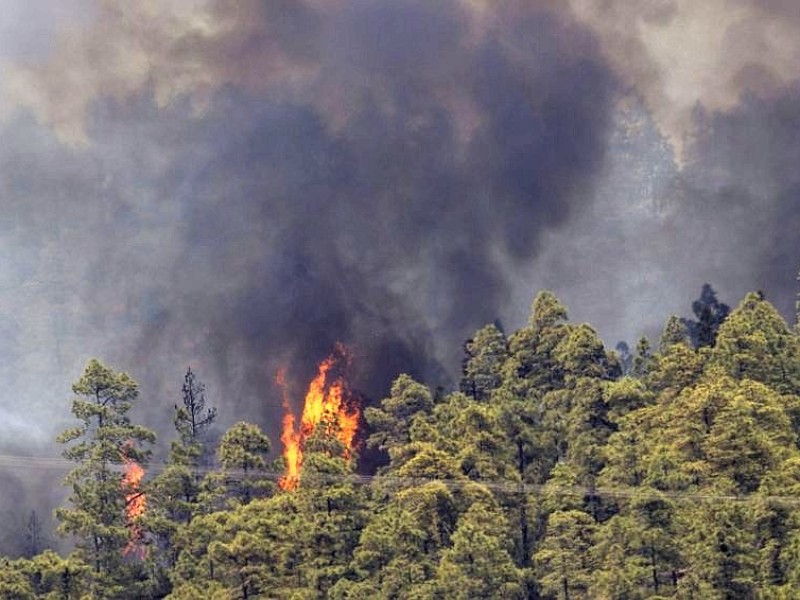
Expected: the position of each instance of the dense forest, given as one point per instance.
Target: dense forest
(558, 469)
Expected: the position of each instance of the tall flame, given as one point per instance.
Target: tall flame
(135, 502)
(292, 453)
(327, 399)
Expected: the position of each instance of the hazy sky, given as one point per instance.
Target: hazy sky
(238, 185)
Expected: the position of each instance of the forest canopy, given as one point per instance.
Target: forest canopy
(557, 469)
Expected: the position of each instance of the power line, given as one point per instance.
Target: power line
(498, 485)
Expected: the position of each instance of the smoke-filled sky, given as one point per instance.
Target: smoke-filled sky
(238, 185)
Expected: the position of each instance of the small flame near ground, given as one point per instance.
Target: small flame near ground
(328, 399)
(135, 504)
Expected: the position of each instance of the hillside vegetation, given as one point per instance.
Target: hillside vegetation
(558, 469)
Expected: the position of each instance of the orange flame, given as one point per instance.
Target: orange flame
(290, 438)
(327, 399)
(135, 503)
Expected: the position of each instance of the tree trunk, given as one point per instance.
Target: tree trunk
(655, 570)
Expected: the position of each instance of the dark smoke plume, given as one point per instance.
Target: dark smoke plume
(237, 186)
(261, 232)
(366, 173)
(743, 184)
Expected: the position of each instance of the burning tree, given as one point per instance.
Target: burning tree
(135, 502)
(328, 403)
(102, 494)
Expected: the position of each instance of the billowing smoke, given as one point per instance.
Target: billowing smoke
(361, 173)
(237, 186)
(743, 179)
(681, 54)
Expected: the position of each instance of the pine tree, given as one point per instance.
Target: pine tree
(675, 332)
(174, 494)
(563, 560)
(242, 453)
(100, 444)
(484, 356)
(710, 313)
(620, 573)
(624, 356)
(297, 543)
(531, 369)
(392, 421)
(677, 365)
(756, 343)
(483, 451)
(625, 396)
(400, 548)
(581, 354)
(478, 564)
(192, 420)
(718, 542)
(13, 580)
(643, 359)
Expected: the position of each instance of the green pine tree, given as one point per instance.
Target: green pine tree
(484, 356)
(564, 563)
(102, 442)
(479, 564)
(242, 456)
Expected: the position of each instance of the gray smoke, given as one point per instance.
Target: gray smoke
(743, 182)
(379, 203)
(239, 186)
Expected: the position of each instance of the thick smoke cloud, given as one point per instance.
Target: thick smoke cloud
(237, 186)
(656, 233)
(743, 177)
(389, 228)
(677, 54)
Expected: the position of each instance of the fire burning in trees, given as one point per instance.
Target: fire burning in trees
(135, 502)
(328, 400)
(290, 439)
